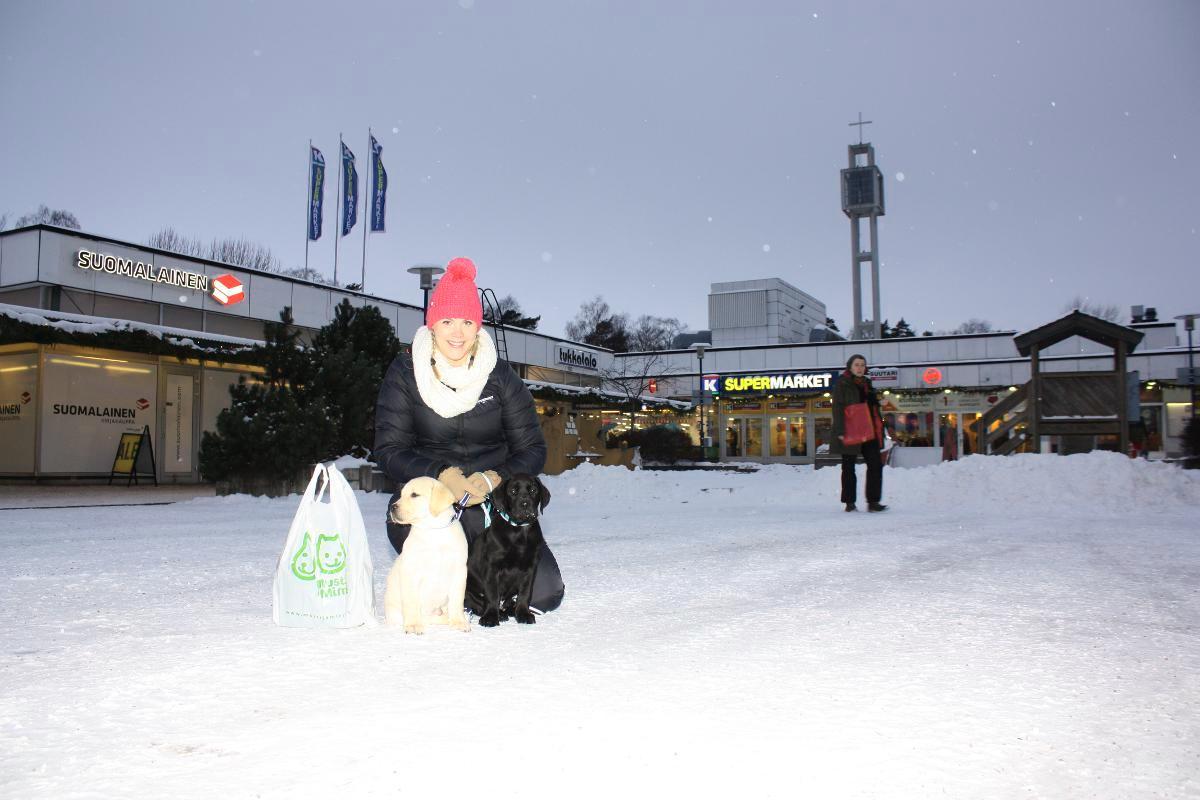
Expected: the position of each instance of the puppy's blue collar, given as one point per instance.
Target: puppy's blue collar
(511, 521)
(461, 506)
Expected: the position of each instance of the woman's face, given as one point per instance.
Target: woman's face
(455, 339)
(858, 367)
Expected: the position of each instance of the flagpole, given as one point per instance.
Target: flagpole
(342, 206)
(362, 282)
(307, 203)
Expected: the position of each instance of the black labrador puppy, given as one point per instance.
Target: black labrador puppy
(503, 559)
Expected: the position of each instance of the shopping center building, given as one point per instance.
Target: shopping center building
(72, 305)
(71, 384)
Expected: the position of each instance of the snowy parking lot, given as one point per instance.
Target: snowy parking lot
(1020, 627)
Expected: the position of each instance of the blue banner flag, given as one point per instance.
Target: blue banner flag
(379, 194)
(316, 194)
(349, 191)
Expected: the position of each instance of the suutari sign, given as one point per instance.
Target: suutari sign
(776, 383)
(225, 289)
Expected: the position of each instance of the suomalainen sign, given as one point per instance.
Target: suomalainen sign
(129, 268)
(775, 383)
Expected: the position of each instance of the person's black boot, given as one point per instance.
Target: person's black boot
(851, 507)
(876, 507)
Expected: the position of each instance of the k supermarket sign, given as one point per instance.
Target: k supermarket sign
(776, 383)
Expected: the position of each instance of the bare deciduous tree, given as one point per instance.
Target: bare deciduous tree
(597, 324)
(654, 333)
(237, 252)
(244, 253)
(49, 216)
(974, 325)
(1081, 303)
(170, 239)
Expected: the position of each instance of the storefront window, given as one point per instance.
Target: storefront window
(822, 432)
(911, 428)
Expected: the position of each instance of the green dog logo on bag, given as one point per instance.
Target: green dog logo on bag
(304, 566)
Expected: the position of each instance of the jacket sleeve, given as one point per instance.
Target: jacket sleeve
(394, 436)
(522, 429)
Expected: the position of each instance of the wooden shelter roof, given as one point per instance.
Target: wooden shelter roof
(1078, 324)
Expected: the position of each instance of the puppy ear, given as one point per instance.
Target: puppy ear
(543, 494)
(440, 498)
(499, 499)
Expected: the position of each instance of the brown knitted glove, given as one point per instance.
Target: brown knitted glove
(479, 482)
(458, 485)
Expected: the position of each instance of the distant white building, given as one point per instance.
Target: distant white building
(764, 311)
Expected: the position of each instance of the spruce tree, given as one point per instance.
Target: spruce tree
(351, 355)
(275, 427)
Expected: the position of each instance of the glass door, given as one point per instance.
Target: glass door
(743, 437)
(970, 433)
(948, 436)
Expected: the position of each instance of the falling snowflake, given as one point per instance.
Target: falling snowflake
(547, 257)
(900, 177)
(766, 248)
(1053, 104)
(395, 130)
(710, 219)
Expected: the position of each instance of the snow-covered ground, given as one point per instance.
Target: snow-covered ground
(1020, 627)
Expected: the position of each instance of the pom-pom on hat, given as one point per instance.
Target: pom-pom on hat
(456, 296)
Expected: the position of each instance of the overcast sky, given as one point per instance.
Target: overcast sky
(1032, 151)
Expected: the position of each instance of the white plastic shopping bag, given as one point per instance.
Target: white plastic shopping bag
(323, 578)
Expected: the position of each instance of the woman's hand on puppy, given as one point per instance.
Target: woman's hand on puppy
(484, 482)
(458, 485)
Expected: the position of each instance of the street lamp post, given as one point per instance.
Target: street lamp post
(426, 274)
(700, 347)
(1189, 323)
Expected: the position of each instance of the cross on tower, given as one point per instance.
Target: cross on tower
(860, 123)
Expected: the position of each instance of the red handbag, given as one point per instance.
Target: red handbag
(859, 425)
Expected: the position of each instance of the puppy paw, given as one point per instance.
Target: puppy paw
(417, 629)
(490, 619)
(460, 624)
(525, 617)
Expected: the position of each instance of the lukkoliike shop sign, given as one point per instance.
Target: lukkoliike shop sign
(225, 289)
(774, 383)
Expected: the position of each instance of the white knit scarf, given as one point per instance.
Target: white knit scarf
(459, 388)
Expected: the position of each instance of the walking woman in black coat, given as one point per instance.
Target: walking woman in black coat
(453, 411)
(855, 387)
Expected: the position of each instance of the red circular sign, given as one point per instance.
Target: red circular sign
(933, 376)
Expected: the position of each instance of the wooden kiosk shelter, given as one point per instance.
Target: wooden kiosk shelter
(1064, 403)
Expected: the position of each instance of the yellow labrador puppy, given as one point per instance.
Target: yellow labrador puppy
(429, 578)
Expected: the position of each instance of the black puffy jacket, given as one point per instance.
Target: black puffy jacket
(500, 433)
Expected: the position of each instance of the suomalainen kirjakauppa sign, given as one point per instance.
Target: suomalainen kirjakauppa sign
(775, 383)
(225, 289)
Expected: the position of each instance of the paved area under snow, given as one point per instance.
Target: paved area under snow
(1022, 627)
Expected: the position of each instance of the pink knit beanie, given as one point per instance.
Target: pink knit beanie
(455, 296)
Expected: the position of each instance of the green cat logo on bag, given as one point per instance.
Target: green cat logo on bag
(304, 566)
(329, 559)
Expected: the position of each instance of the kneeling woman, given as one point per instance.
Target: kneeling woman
(454, 412)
